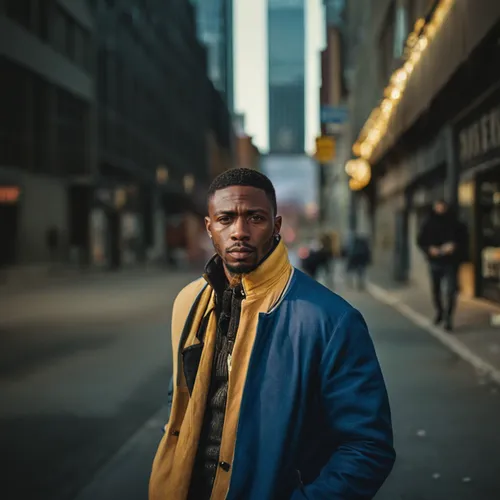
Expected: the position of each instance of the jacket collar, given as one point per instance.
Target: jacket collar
(257, 283)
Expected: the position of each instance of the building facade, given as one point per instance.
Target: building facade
(112, 125)
(286, 38)
(214, 19)
(428, 125)
(165, 130)
(336, 195)
(46, 126)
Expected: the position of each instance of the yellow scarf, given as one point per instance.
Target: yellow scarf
(171, 474)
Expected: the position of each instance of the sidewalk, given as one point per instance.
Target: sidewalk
(92, 299)
(474, 338)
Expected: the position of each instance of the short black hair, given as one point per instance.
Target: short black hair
(244, 177)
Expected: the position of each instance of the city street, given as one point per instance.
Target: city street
(74, 395)
(75, 388)
(445, 415)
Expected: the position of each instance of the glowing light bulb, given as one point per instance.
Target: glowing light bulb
(395, 94)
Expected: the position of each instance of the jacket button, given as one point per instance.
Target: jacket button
(225, 466)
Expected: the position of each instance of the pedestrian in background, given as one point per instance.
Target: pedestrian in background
(277, 390)
(321, 259)
(358, 258)
(444, 241)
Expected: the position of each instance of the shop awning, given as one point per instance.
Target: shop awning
(466, 24)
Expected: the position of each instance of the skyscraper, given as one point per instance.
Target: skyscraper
(286, 35)
(215, 30)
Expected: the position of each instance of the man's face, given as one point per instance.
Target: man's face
(440, 207)
(242, 225)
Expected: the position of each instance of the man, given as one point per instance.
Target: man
(278, 393)
(358, 255)
(320, 259)
(443, 240)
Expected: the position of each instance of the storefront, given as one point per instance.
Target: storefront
(477, 142)
(115, 227)
(9, 215)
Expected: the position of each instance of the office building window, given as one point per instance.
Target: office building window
(71, 133)
(102, 80)
(71, 39)
(42, 19)
(60, 28)
(19, 11)
(80, 42)
(401, 30)
(386, 44)
(13, 124)
(41, 121)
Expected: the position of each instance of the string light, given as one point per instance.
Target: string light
(417, 42)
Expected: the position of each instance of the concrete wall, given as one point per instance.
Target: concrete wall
(419, 269)
(44, 203)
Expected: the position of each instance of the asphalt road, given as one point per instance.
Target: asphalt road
(73, 392)
(71, 397)
(446, 417)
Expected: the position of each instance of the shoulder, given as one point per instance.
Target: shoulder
(314, 301)
(186, 297)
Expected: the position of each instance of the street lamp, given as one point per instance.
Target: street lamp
(162, 174)
(188, 183)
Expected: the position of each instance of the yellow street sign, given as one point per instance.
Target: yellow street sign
(325, 149)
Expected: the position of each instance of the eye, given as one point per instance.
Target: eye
(257, 218)
(224, 219)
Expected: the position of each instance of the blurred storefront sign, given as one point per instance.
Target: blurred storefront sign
(477, 144)
(325, 149)
(478, 133)
(9, 194)
(334, 115)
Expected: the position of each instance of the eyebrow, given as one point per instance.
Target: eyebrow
(250, 211)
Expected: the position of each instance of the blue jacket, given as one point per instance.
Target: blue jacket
(314, 421)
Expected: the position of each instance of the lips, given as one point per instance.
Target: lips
(241, 253)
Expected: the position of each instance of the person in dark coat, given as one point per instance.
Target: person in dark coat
(320, 259)
(443, 240)
(358, 255)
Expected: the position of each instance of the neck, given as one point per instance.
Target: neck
(232, 278)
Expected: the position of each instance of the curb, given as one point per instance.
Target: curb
(448, 340)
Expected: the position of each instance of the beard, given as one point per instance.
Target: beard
(238, 269)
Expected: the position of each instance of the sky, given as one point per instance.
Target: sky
(251, 71)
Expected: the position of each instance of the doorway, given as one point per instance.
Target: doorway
(8, 232)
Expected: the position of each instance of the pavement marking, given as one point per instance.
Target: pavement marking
(447, 339)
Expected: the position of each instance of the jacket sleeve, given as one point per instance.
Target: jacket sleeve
(357, 406)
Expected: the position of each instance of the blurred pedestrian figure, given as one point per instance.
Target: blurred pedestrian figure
(320, 259)
(358, 258)
(443, 239)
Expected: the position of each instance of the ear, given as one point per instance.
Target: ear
(207, 226)
(277, 224)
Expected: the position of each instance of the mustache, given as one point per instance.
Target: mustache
(240, 247)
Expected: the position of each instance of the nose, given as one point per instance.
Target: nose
(240, 230)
